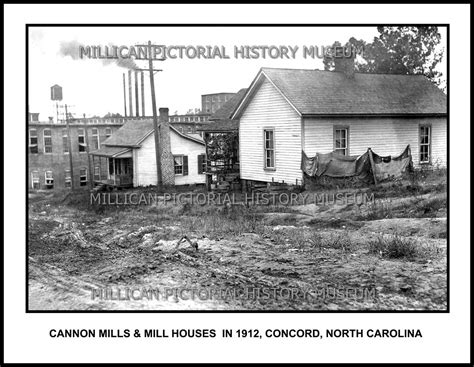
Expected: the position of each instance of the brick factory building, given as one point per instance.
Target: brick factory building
(48, 152)
(210, 103)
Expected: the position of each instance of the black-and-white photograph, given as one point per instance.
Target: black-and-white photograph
(237, 168)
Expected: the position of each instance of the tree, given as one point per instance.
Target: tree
(398, 50)
(110, 114)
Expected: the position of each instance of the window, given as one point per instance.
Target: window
(35, 180)
(425, 144)
(47, 141)
(48, 179)
(201, 163)
(65, 142)
(269, 148)
(83, 177)
(108, 132)
(341, 140)
(111, 166)
(33, 141)
(81, 139)
(97, 173)
(67, 178)
(95, 139)
(181, 165)
(178, 164)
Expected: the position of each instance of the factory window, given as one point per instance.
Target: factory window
(33, 141)
(95, 139)
(35, 180)
(341, 140)
(47, 141)
(65, 142)
(67, 178)
(97, 173)
(81, 139)
(49, 179)
(83, 177)
(186, 119)
(108, 132)
(425, 144)
(269, 148)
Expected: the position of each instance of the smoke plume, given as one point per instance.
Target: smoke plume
(71, 49)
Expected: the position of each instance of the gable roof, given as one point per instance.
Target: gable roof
(325, 93)
(133, 132)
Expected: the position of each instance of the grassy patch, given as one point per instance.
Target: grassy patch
(398, 247)
(340, 241)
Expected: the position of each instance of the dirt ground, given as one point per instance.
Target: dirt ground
(388, 254)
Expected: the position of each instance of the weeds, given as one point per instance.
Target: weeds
(398, 247)
(341, 241)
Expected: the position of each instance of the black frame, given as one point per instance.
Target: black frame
(237, 25)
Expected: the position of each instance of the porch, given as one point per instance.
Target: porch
(119, 169)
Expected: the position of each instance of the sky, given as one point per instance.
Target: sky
(92, 87)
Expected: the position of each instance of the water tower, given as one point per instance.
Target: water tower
(57, 95)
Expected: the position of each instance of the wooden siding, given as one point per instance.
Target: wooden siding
(268, 109)
(144, 159)
(144, 162)
(386, 136)
(182, 146)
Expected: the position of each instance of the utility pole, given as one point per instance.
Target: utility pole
(155, 118)
(69, 147)
(91, 173)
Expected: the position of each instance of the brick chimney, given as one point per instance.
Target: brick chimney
(344, 60)
(167, 160)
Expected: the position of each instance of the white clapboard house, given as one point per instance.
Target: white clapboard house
(130, 153)
(287, 111)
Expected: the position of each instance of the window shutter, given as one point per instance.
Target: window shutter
(185, 165)
(200, 163)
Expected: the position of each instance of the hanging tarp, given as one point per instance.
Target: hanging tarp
(336, 165)
(390, 167)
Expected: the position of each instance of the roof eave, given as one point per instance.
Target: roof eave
(355, 115)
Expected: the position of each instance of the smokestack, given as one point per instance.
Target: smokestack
(143, 92)
(124, 95)
(130, 105)
(137, 105)
(344, 61)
